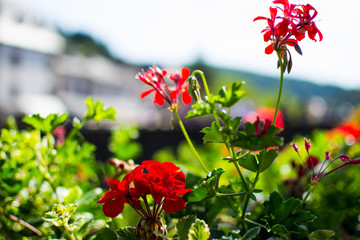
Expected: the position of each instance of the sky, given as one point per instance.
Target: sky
(177, 33)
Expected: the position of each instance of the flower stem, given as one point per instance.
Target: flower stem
(247, 199)
(230, 194)
(69, 232)
(182, 127)
(304, 199)
(201, 73)
(282, 70)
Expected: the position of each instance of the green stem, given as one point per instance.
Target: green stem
(304, 199)
(77, 128)
(282, 70)
(69, 232)
(247, 199)
(230, 194)
(255, 223)
(230, 148)
(201, 73)
(182, 127)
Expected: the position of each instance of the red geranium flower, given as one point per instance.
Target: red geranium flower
(167, 185)
(155, 77)
(119, 194)
(295, 21)
(163, 181)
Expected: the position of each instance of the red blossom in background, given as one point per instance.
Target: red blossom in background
(348, 130)
(289, 26)
(155, 77)
(265, 114)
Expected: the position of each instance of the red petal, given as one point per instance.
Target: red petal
(269, 49)
(142, 186)
(114, 183)
(186, 98)
(147, 92)
(113, 208)
(259, 18)
(133, 174)
(170, 166)
(173, 204)
(153, 167)
(159, 99)
(157, 192)
(108, 196)
(183, 191)
(185, 72)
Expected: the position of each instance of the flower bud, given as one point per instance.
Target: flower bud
(296, 148)
(307, 145)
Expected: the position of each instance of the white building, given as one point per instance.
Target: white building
(36, 77)
(27, 49)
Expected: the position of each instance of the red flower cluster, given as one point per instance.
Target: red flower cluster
(163, 181)
(290, 27)
(155, 77)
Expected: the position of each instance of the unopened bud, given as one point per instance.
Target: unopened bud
(117, 163)
(344, 158)
(307, 145)
(296, 148)
(327, 156)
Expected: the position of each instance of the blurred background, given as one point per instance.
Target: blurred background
(53, 54)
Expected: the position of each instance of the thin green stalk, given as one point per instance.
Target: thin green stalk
(230, 148)
(304, 199)
(247, 199)
(255, 223)
(69, 232)
(230, 194)
(282, 70)
(201, 73)
(193, 149)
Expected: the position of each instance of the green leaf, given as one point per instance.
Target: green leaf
(201, 108)
(97, 112)
(256, 137)
(47, 124)
(297, 48)
(229, 97)
(74, 194)
(183, 226)
(249, 162)
(321, 234)
(60, 214)
(265, 159)
(127, 233)
(251, 233)
(90, 196)
(279, 215)
(256, 143)
(199, 230)
(260, 162)
(207, 188)
(104, 234)
(212, 134)
(289, 66)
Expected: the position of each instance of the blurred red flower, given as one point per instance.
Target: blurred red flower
(265, 114)
(155, 77)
